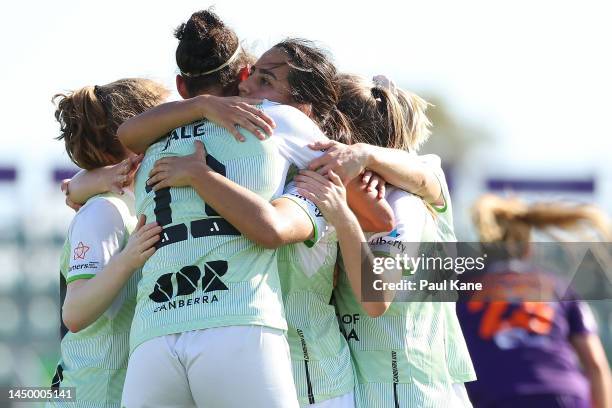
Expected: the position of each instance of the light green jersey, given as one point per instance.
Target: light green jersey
(320, 357)
(403, 358)
(94, 360)
(406, 345)
(459, 361)
(205, 273)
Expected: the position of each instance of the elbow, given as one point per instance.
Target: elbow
(385, 222)
(73, 319)
(376, 309)
(71, 322)
(269, 238)
(270, 242)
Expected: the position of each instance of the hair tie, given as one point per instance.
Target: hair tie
(381, 81)
(225, 64)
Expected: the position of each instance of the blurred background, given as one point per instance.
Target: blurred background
(521, 92)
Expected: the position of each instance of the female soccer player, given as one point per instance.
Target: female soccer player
(246, 299)
(105, 244)
(271, 74)
(400, 357)
(321, 364)
(536, 343)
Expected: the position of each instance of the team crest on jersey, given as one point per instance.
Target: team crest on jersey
(80, 251)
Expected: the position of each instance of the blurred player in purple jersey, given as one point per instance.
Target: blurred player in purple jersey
(527, 353)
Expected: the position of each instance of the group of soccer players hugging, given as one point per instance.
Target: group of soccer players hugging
(215, 259)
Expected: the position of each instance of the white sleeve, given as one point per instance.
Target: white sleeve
(293, 133)
(410, 221)
(312, 211)
(96, 234)
(435, 164)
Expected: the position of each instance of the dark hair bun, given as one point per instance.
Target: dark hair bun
(199, 26)
(205, 43)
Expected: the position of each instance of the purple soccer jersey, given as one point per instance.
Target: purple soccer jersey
(522, 348)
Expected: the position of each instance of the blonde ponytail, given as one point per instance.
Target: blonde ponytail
(512, 220)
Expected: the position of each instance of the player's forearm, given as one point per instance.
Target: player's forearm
(87, 183)
(139, 132)
(601, 386)
(87, 302)
(254, 217)
(374, 215)
(403, 170)
(355, 255)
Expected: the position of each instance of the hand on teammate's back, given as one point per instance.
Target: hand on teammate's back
(122, 175)
(346, 161)
(327, 193)
(64, 187)
(178, 171)
(233, 111)
(141, 244)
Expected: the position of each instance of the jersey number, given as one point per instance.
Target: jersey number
(199, 228)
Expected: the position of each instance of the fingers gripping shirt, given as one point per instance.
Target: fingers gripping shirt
(205, 273)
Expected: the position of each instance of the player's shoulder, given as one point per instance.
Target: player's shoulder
(277, 108)
(103, 210)
(397, 195)
(431, 159)
(285, 115)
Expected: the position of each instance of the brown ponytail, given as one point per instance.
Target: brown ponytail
(510, 220)
(89, 118)
(381, 116)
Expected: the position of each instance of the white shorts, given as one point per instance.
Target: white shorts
(236, 366)
(343, 401)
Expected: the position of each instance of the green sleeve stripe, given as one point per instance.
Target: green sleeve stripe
(441, 209)
(309, 242)
(81, 276)
(438, 208)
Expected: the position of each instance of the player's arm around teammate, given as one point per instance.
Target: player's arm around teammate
(270, 224)
(100, 259)
(139, 132)
(87, 299)
(329, 194)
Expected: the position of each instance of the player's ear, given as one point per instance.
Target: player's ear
(181, 87)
